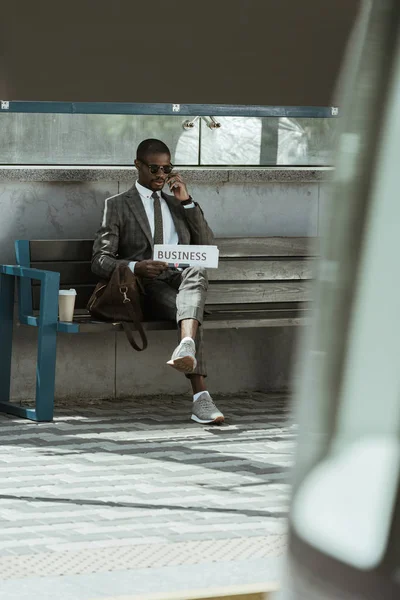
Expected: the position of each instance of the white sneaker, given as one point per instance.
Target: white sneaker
(205, 411)
(184, 356)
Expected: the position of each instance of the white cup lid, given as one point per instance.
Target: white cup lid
(70, 292)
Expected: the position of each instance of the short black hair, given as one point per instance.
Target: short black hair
(151, 146)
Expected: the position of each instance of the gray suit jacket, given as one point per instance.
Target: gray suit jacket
(125, 232)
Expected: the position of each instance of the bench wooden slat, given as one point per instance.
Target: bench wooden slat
(266, 246)
(251, 307)
(60, 250)
(261, 270)
(218, 308)
(271, 291)
(81, 250)
(218, 320)
(258, 321)
(72, 273)
(277, 320)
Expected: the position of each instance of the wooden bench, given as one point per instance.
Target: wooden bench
(261, 282)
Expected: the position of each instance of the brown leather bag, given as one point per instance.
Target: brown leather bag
(118, 300)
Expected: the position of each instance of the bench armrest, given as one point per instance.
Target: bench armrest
(50, 284)
(29, 273)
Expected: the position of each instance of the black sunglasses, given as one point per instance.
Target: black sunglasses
(155, 168)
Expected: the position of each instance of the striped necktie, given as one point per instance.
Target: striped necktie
(158, 222)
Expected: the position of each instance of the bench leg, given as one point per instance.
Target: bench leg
(7, 283)
(46, 356)
(47, 348)
(45, 375)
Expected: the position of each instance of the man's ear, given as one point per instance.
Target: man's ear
(137, 164)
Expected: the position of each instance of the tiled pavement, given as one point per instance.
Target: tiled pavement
(113, 489)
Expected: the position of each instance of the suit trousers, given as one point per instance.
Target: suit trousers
(176, 295)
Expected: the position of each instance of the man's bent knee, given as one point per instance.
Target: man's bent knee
(198, 273)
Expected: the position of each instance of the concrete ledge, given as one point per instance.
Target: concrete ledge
(209, 175)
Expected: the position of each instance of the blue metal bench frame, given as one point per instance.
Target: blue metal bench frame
(47, 324)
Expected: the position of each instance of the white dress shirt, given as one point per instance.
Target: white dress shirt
(169, 229)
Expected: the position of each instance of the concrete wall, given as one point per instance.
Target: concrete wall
(60, 203)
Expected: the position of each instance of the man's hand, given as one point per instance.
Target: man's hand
(178, 187)
(150, 268)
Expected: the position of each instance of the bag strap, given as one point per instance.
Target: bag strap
(138, 327)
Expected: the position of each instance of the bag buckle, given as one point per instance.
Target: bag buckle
(123, 290)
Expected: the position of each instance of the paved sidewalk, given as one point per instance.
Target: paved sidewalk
(118, 497)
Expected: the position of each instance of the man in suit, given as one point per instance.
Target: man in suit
(132, 223)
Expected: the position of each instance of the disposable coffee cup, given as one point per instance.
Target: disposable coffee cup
(66, 304)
